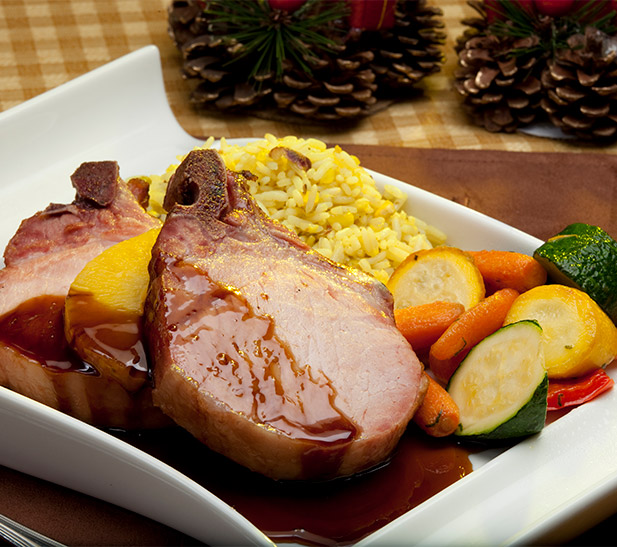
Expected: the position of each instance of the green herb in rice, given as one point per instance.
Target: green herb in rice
(333, 205)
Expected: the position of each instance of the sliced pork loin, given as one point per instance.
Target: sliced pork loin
(41, 261)
(264, 350)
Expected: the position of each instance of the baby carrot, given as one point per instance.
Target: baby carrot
(422, 325)
(472, 326)
(506, 269)
(438, 415)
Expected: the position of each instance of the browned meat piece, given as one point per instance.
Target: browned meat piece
(267, 352)
(42, 260)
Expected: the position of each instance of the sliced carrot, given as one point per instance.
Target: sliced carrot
(471, 327)
(507, 269)
(422, 325)
(438, 415)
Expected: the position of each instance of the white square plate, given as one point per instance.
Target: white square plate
(528, 493)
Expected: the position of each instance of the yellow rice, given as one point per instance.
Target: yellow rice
(335, 206)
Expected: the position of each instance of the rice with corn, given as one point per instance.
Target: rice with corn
(334, 206)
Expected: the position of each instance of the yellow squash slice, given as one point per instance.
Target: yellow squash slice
(443, 273)
(578, 335)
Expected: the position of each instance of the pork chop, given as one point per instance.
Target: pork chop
(264, 350)
(41, 261)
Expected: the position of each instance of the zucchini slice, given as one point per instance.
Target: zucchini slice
(585, 257)
(501, 386)
(444, 274)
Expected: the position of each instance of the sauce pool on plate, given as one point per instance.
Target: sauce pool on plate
(335, 512)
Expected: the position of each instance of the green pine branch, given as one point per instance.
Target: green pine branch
(269, 37)
(553, 33)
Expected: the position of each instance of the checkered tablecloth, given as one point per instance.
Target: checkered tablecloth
(44, 43)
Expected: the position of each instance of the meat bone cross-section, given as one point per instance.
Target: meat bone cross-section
(268, 353)
(42, 259)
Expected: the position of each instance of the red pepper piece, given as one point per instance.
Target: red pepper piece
(575, 391)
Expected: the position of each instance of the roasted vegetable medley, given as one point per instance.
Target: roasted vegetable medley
(507, 337)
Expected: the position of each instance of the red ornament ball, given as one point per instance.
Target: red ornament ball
(372, 14)
(555, 8)
(286, 5)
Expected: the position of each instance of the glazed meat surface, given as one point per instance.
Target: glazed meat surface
(41, 261)
(264, 350)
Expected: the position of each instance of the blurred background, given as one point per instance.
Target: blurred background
(44, 43)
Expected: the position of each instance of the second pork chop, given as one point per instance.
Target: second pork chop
(264, 350)
(42, 259)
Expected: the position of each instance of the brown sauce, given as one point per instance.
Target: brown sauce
(36, 329)
(234, 352)
(110, 339)
(336, 512)
(113, 333)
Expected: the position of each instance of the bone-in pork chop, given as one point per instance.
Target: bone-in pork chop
(42, 259)
(264, 350)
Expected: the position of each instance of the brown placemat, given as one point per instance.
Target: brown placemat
(535, 192)
(539, 193)
(75, 519)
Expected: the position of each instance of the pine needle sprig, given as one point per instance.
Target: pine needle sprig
(267, 37)
(516, 21)
(590, 13)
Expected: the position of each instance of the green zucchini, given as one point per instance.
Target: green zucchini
(584, 257)
(501, 386)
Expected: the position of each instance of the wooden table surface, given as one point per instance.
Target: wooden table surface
(44, 43)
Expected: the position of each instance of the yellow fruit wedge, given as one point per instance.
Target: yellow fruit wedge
(440, 274)
(578, 335)
(118, 277)
(103, 309)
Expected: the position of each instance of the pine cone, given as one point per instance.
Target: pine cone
(185, 21)
(407, 52)
(205, 58)
(341, 86)
(501, 91)
(581, 86)
(354, 80)
(370, 68)
(474, 26)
